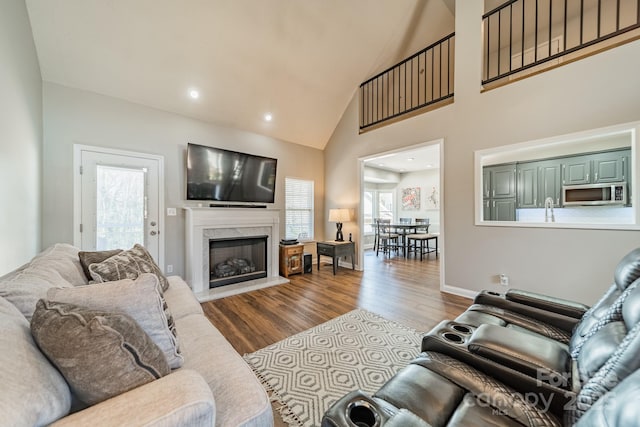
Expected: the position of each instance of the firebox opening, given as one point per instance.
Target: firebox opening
(234, 260)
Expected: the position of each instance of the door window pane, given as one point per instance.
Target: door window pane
(120, 207)
(385, 205)
(368, 212)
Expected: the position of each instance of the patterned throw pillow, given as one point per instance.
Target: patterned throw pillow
(94, 257)
(141, 299)
(127, 265)
(100, 354)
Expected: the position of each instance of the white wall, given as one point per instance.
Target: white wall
(74, 116)
(427, 180)
(20, 138)
(597, 91)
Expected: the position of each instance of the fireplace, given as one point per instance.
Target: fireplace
(205, 224)
(235, 260)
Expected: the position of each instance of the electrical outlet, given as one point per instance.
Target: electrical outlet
(171, 211)
(504, 280)
(169, 268)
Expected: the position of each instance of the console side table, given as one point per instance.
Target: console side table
(335, 250)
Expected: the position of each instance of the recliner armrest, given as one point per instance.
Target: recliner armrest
(541, 358)
(494, 299)
(545, 302)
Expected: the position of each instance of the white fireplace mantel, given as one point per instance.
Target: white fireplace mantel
(203, 224)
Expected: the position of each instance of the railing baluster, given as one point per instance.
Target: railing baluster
(535, 42)
(510, 36)
(598, 25)
(550, 23)
(581, 19)
(564, 48)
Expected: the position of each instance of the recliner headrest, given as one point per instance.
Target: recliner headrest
(628, 269)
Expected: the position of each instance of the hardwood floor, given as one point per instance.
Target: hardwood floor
(404, 290)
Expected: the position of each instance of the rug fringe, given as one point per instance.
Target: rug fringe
(288, 417)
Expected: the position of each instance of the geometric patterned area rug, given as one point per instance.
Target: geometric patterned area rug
(307, 372)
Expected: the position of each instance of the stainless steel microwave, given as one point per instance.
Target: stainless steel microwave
(595, 194)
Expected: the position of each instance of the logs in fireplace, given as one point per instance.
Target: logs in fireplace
(234, 260)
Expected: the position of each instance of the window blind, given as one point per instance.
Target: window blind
(298, 208)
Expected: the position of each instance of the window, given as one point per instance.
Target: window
(377, 204)
(298, 208)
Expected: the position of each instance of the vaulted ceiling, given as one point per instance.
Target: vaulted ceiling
(299, 60)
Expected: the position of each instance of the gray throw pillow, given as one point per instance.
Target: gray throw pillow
(141, 299)
(94, 257)
(127, 264)
(100, 354)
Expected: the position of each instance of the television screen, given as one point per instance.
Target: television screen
(228, 176)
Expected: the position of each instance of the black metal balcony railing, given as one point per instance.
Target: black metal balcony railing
(522, 34)
(423, 79)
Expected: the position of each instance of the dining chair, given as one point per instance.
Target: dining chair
(376, 233)
(419, 244)
(386, 237)
(423, 225)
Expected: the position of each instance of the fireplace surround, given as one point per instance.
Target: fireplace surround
(220, 223)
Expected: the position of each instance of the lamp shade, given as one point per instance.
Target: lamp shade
(339, 215)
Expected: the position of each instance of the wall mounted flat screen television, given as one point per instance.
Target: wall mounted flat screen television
(229, 176)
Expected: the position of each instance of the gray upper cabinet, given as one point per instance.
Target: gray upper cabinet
(527, 185)
(609, 167)
(577, 170)
(537, 181)
(503, 181)
(549, 181)
(499, 191)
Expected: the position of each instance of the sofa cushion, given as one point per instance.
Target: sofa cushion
(231, 379)
(57, 266)
(127, 264)
(94, 257)
(141, 299)
(101, 354)
(33, 391)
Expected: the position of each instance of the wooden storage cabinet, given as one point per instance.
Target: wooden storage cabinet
(291, 259)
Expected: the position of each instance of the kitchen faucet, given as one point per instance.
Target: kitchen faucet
(548, 205)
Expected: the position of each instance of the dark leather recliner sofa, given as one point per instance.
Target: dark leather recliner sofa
(503, 373)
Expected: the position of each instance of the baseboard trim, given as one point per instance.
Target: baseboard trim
(467, 293)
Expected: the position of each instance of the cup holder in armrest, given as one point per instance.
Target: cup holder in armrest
(453, 337)
(361, 413)
(464, 329)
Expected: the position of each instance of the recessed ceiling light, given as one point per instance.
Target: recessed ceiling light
(268, 117)
(429, 165)
(380, 164)
(194, 94)
(411, 159)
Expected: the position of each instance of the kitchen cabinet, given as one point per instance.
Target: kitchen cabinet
(549, 182)
(499, 189)
(503, 209)
(596, 168)
(577, 170)
(527, 185)
(609, 167)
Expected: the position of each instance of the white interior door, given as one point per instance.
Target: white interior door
(120, 201)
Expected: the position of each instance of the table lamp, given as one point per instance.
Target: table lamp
(339, 216)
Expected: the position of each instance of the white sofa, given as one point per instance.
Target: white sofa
(214, 387)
